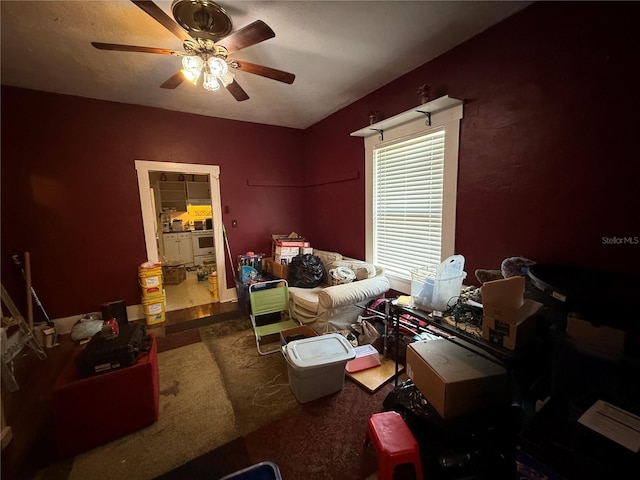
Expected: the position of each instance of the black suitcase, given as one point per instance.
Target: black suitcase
(103, 354)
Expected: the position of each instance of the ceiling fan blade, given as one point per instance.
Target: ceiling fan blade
(237, 91)
(173, 81)
(253, 33)
(134, 48)
(162, 18)
(263, 71)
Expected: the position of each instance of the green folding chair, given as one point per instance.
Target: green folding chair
(270, 311)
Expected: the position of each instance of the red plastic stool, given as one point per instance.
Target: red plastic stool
(394, 442)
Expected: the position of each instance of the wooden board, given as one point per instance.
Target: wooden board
(374, 378)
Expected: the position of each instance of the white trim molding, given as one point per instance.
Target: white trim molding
(143, 167)
(443, 112)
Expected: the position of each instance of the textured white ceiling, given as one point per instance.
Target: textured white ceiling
(339, 51)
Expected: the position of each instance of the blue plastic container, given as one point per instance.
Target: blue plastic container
(259, 471)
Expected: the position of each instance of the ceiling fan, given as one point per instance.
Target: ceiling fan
(204, 28)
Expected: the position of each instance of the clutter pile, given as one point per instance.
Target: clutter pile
(150, 277)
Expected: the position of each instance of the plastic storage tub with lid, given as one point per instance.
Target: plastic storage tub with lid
(316, 365)
(259, 471)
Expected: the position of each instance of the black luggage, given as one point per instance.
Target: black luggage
(104, 354)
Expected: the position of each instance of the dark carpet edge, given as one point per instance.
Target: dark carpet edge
(178, 339)
(224, 460)
(204, 321)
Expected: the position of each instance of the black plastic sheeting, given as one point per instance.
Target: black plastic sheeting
(475, 447)
(306, 271)
(597, 294)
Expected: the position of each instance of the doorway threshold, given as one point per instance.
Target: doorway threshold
(198, 316)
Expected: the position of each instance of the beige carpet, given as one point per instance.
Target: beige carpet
(257, 385)
(196, 416)
(211, 392)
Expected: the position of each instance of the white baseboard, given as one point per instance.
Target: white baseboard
(134, 312)
(65, 324)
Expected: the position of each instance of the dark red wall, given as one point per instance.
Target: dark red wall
(548, 148)
(548, 162)
(70, 191)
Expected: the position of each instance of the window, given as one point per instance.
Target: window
(407, 203)
(411, 173)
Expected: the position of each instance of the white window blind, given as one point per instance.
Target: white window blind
(408, 190)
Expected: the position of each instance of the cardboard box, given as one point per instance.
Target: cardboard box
(508, 318)
(297, 333)
(597, 340)
(173, 274)
(508, 335)
(46, 336)
(292, 244)
(454, 380)
(293, 236)
(287, 251)
(502, 299)
(283, 259)
(277, 270)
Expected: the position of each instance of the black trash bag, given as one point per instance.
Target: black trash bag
(406, 397)
(306, 271)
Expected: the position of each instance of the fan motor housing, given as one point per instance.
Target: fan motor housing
(202, 18)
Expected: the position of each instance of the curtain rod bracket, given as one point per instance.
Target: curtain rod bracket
(380, 133)
(427, 122)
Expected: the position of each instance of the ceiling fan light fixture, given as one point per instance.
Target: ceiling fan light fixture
(192, 62)
(206, 23)
(191, 75)
(218, 66)
(227, 78)
(210, 82)
(192, 68)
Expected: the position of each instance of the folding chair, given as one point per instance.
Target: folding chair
(269, 301)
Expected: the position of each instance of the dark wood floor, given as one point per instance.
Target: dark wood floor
(28, 411)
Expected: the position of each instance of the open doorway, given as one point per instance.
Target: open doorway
(187, 214)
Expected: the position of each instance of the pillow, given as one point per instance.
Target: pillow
(363, 270)
(327, 258)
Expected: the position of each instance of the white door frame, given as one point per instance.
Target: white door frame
(143, 167)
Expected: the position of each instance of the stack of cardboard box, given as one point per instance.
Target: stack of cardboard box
(287, 249)
(508, 318)
(292, 237)
(283, 249)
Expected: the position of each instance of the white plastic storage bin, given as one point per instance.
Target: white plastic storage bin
(316, 365)
(438, 288)
(446, 292)
(422, 282)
